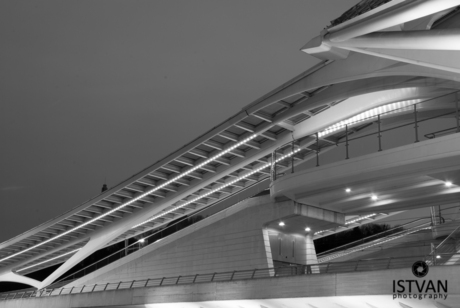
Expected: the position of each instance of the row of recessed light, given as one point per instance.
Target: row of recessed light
(135, 198)
(374, 197)
(216, 189)
(282, 224)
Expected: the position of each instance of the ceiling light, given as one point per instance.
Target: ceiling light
(374, 197)
(438, 257)
(142, 240)
(307, 229)
(448, 184)
(347, 190)
(281, 224)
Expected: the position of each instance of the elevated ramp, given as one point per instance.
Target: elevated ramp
(415, 241)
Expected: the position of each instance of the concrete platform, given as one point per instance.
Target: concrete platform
(354, 290)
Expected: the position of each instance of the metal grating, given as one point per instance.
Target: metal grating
(360, 8)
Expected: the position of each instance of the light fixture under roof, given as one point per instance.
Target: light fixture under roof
(307, 229)
(374, 197)
(360, 218)
(142, 240)
(281, 224)
(347, 190)
(448, 183)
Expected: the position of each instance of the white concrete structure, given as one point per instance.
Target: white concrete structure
(402, 52)
(402, 178)
(351, 290)
(243, 237)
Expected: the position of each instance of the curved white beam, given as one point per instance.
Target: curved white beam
(445, 60)
(440, 39)
(355, 88)
(13, 277)
(356, 66)
(359, 104)
(393, 17)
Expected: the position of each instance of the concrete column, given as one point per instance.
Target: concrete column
(310, 253)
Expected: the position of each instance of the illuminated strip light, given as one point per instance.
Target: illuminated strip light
(393, 108)
(322, 231)
(67, 253)
(359, 219)
(348, 222)
(215, 190)
(136, 198)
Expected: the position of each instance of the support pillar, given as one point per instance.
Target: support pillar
(311, 260)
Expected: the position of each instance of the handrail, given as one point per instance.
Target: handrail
(399, 126)
(325, 253)
(386, 239)
(272, 272)
(442, 243)
(400, 109)
(433, 134)
(377, 236)
(375, 117)
(371, 244)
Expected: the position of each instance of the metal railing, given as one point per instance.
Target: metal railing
(315, 144)
(440, 226)
(445, 248)
(376, 239)
(313, 269)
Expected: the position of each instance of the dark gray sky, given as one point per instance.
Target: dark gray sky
(95, 89)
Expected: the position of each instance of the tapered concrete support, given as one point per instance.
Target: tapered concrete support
(443, 39)
(97, 241)
(13, 277)
(310, 253)
(292, 242)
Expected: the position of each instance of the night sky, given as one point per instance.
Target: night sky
(95, 90)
